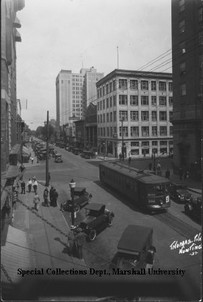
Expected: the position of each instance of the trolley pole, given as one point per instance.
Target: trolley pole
(47, 153)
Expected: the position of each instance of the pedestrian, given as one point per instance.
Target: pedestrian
(36, 201)
(158, 168)
(70, 242)
(150, 257)
(35, 185)
(120, 156)
(22, 187)
(46, 197)
(79, 241)
(29, 184)
(51, 194)
(55, 197)
(32, 159)
(22, 168)
(129, 160)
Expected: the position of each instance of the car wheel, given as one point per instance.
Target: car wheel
(110, 218)
(187, 209)
(92, 235)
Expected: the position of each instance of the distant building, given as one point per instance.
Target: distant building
(187, 50)
(134, 109)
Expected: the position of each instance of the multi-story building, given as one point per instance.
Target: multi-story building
(90, 90)
(134, 109)
(187, 55)
(9, 37)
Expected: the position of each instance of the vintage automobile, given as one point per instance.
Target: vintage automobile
(97, 219)
(135, 248)
(88, 154)
(58, 158)
(179, 193)
(81, 200)
(193, 208)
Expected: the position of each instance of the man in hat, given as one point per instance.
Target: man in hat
(79, 241)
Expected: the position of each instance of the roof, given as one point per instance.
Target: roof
(79, 189)
(134, 238)
(143, 176)
(94, 206)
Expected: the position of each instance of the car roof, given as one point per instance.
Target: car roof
(94, 206)
(134, 238)
(79, 189)
(58, 155)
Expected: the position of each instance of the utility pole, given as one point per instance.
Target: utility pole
(72, 185)
(122, 148)
(47, 154)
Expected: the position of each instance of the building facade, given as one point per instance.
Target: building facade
(134, 109)
(9, 37)
(187, 51)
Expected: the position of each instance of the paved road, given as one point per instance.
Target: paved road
(169, 227)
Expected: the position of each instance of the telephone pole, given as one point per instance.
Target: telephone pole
(122, 135)
(47, 154)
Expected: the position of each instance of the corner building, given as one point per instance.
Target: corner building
(134, 109)
(187, 56)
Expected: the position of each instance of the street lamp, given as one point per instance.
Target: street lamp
(72, 185)
(122, 135)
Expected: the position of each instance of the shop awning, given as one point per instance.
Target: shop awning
(12, 172)
(26, 151)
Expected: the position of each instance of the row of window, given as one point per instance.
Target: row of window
(124, 84)
(134, 116)
(182, 23)
(134, 101)
(153, 143)
(146, 151)
(135, 131)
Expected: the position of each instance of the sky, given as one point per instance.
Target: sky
(71, 34)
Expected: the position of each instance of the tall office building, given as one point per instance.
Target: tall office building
(187, 51)
(134, 109)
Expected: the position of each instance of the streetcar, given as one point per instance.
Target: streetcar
(144, 189)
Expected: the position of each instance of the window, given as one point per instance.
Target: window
(182, 26)
(134, 100)
(134, 131)
(100, 105)
(153, 100)
(144, 100)
(103, 104)
(162, 115)
(125, 131)
(107, 103)
(107, 117)
(104, 131)
(134, 152)
(123, 99)
(163, 150)
(110, 87)
(111, 131)
(170, 86)
(170, 116)
(103, 117)
(182, 68)
(162, 101)
(144, 85)
(171, 130)
(110, 101)
(154, 131)
(170, 100)
(144, 115)
(122, 84)
(134, 144)
(103, 90)
(183, 89)
(145, 144)
(154, 143)
(111, 115)
(133, 84)
(154, 116)
(162, 86)
(134, 115)
(181, 5)
(163, 143)
(114, 116)
(153, 85)
(114, 85)
(107, 88)
(145, 131)
(114, 100)
(107, 131)
(123, 115)
(163, 131)
(182, 47)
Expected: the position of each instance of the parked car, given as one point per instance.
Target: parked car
(179, 193)
(58, 158)
(83, 198)
(97, 219)
(88, 154)
(193, 208)
(135, 249)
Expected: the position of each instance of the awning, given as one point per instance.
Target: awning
(26, 150)
(12, 172)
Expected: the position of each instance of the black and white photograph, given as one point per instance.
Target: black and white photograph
(101, 150)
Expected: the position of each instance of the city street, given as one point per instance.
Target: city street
(170, 227)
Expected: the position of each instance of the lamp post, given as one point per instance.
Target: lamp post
(122, 135)
(72, 185)
(47, 153)
(154, 160)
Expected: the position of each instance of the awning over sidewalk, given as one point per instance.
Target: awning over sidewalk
(26, 151)
(13, 172)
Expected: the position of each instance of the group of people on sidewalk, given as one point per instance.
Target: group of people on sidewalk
(50, 197)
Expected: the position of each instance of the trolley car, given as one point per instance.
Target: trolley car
(144, 189)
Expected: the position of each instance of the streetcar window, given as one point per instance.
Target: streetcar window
(158, 189)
